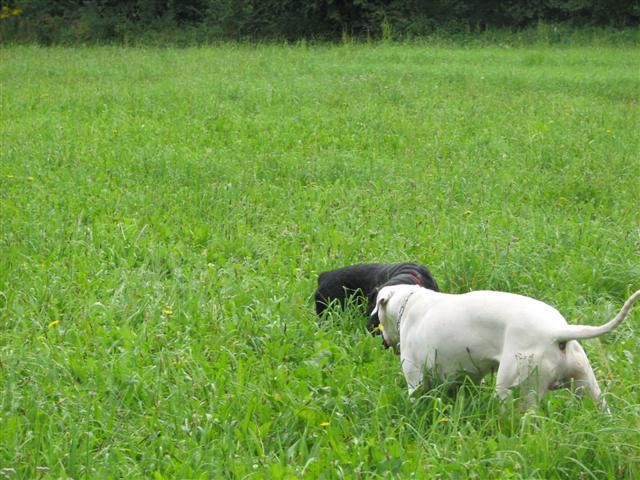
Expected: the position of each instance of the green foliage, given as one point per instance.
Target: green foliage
(164, 214)
(209, 20)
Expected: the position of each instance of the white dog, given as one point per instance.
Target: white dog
(527, 342)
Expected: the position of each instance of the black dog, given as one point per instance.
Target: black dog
(364, 281)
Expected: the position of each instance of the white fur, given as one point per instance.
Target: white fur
(475, 333)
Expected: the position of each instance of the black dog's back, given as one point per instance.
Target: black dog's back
(339, 284)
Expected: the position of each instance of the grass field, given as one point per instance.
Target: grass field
(165, 214)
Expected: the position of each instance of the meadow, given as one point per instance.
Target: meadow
(165, 213)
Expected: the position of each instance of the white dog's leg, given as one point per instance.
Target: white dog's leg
(582, 374)
(519, 370)
(413, 373)
(506, 378)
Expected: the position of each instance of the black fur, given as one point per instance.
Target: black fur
(363, 281)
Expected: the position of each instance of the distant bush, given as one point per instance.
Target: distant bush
(206, 20)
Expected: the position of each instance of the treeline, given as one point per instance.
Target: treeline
(65, 21)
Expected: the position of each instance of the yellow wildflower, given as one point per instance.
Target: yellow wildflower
(324, 424)
(167, 311)
(53, 324)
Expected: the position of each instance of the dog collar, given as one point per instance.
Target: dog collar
(404, 305)
(416, 279)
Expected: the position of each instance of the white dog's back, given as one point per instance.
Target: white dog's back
(495, 309)
(468, 331)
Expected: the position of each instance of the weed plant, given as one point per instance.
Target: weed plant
(165, 213)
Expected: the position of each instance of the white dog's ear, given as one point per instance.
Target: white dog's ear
(383, 297)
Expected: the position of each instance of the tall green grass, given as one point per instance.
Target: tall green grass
(165, 213)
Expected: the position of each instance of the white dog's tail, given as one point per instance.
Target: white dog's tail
(577, 332)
